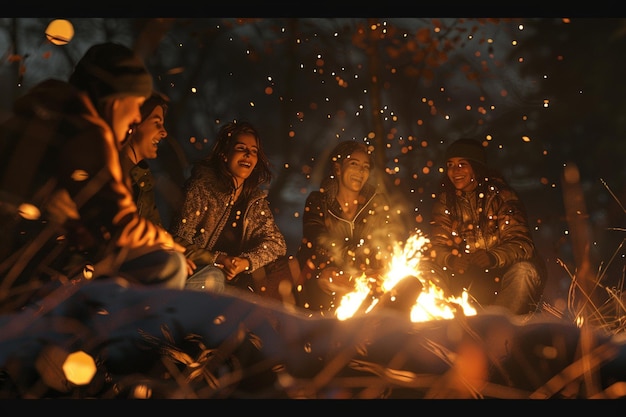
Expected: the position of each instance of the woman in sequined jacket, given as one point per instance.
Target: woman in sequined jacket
(226, 222)
(480, 237)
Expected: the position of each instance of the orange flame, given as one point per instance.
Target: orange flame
(431, 303)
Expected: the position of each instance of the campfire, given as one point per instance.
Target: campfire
(404, 288)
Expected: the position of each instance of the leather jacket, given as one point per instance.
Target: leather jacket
(504, 232)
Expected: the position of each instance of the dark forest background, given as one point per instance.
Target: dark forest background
(545, 93)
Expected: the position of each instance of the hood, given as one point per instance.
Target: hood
(51, 99)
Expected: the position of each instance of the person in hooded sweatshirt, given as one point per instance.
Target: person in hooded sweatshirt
(67, 212)
(479, 235)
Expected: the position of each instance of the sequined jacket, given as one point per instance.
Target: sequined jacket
(364, 243)
(505, 232)
(203, 216)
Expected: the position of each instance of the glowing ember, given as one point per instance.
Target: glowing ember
(431, 302)
(351, 302)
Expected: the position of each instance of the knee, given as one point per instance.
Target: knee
(209, 278)
(524, 274)
(177, 264)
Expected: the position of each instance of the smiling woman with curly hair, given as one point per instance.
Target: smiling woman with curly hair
(225, 221)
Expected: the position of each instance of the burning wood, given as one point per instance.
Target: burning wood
(404, 288)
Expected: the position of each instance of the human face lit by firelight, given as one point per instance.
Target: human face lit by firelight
(126, 112)
(147, 135)
(461, 174)
(243, 157)
(354, 171)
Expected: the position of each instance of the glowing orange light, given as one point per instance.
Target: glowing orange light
(28, 211)
(79, 368)
(60, 32)
(431, 302)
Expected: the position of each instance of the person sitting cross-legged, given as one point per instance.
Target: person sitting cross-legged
(480, 237)
(225, 221)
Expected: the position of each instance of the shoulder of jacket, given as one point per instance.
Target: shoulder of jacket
(503, 190)
(53, 99)
(316, 196)
(259, 196)
(200, 177)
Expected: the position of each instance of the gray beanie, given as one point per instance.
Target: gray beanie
(111, 70)
(468, 149)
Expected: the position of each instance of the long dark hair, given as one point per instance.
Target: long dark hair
(226, 138)
(339, 153)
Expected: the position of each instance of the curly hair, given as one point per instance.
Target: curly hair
(226, 139)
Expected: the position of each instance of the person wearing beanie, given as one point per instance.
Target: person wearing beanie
(59, 156)
(479, 235)
(469, 149)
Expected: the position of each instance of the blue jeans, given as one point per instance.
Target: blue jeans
(167, 268)
(207, 278)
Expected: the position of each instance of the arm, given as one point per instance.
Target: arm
(442, 241)
(192, 217)
(186, 222)
(515, 241)
(312, 252)
(89, 169)
(263, 240)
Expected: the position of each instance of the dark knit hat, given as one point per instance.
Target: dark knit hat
(467, 148)
(111, 70)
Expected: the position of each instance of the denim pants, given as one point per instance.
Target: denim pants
(521, 288)
(207, 278)
(167, 268)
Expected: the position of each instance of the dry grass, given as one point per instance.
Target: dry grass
(553, 354)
